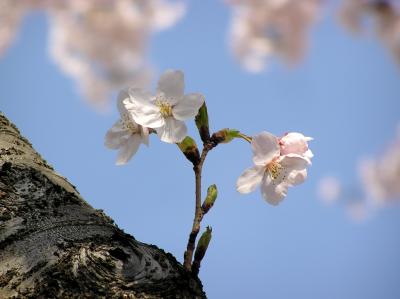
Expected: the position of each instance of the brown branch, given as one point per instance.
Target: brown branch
(198, 213)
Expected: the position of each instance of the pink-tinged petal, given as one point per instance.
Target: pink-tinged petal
(188, 107)
(172, 85)
(271, 192)
(142, 110)
(265, 148)
(297, 177)
(294, 143)
(128, 150)
(174, 131)
(116, 136)
(250, 179)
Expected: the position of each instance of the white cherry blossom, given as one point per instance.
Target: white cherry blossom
(126, 135)
(274, 171)
(167, 109)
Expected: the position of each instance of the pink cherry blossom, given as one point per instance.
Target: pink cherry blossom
(276, 172)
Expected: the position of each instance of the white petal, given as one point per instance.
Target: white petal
(116, 136)
(128, 150)
(174, 131)
(142, 110)
(171, 84)
(297, 177)
(271, 192)
(188, 107)
(122, 96)
(250, 179)
(294, 162)
(265, 148)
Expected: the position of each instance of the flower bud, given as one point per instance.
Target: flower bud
(212, 193)
(189, 149)
(202, 123)
(225, 135)
(201, 249)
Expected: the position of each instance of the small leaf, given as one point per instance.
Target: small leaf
(189, 149)
(212, 194)
(202, 123)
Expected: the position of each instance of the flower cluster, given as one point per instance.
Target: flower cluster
(381, 176)
(385, 17)
(100, 44)
(164, 113)
(263, 28)
(279, 163)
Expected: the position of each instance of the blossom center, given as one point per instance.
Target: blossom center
(274, 169)
(165, 108)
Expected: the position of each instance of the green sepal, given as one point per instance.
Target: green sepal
(225, 135)
(201, 249)
(202, 123)
(189, 148)
(212, 193)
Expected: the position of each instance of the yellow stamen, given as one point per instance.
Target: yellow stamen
(165, 108)
(274, 169)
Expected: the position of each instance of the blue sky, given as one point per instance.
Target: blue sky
(345, 94)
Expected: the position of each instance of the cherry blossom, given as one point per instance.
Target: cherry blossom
(126, 135)
(264, 28)
(381, 176)
(166, 111)
(273, 170)
(102, 45)
(384, 19)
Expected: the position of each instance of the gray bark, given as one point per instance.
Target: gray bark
(53, 244)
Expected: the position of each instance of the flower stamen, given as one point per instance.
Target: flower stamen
(165, 108)
(274, 169)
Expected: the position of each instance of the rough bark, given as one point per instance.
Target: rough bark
(55, 245)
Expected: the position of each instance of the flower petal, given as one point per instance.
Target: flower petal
(116, 136)
(294, 162)
(174, 131)
(297, 177)
(171, 84)
(294, 143)
(142, 110)
(272, 192)
(128, 150)
(145, 135)
(122, 96)
(188, 107)
(250, 179)
(265, 148)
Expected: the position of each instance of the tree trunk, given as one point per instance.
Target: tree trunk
(53, 244)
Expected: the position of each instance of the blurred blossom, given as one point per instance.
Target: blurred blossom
(101, 44)
(381, 176)
(329, 189)
(384, 16)
(263, 28)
